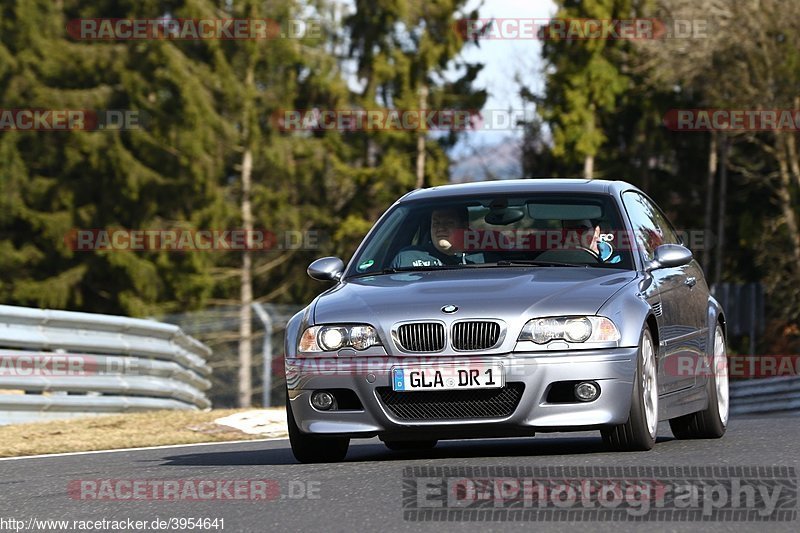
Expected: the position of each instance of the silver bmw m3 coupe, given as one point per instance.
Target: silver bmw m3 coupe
(508, 308)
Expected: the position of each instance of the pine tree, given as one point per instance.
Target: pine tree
(161, 175)
(582, 81)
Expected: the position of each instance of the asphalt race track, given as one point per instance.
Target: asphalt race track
(366, 492)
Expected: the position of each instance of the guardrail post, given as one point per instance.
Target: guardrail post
(266, 350)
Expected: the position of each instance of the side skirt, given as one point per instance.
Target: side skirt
(682, 402)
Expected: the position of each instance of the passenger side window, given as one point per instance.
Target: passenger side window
(651, 229)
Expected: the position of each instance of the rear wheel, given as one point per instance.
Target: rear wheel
(639, 432)
(311, 448)
(711, 422)
(406, 445)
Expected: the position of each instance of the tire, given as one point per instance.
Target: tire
(407, 445)
(639, 432)
(311, 448)
(711, 422)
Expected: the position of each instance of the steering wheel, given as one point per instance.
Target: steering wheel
(553, 255)
(591, 252)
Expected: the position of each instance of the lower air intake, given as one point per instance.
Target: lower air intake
(453, 404)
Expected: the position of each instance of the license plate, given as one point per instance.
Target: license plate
(448, 377)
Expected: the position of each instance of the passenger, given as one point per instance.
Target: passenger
(442, 248)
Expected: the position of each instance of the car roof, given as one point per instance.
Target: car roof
(532, 185)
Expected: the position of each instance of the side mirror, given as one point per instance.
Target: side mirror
(670, 255)
(326, 269)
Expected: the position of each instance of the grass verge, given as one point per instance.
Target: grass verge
(108, 432)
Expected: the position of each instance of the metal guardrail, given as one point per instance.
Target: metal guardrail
(57, 364)
(776, 395)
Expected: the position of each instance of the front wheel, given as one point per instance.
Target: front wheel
(639, 432)
(711, 422)
(311, 448)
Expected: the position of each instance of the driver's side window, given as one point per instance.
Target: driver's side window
(648, 233)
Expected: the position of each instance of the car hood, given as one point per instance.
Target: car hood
(511, 294)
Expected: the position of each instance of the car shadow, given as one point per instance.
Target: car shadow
(374, 451)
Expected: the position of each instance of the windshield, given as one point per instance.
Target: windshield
(558, 230)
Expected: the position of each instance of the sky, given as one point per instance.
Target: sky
(505, 58)
(503, 61)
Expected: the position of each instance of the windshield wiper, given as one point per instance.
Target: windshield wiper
(397, 270)
(433, 268)
(394, 270)
(524, 262)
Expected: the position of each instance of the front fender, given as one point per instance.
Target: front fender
(715, 315)
(294, 328)
(629, 311)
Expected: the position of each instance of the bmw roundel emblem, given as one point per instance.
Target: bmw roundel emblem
(449, 309)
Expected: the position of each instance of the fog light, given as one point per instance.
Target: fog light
(322, 400)
(587, 391)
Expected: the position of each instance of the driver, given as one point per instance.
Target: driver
(442, 249)
(582, 234)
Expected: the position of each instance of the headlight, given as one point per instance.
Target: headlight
(332, 338)
(362, 337)
(570, 329)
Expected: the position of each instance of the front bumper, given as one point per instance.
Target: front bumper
(612, 369)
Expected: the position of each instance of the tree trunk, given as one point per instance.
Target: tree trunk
(588, 167)
(710, 178)
(723, 193)
(791, 148)
(785, 198)
(246, 278)
(791, 151)
(245, 311)
(421, 137)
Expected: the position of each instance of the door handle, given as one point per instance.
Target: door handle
(691, 282)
